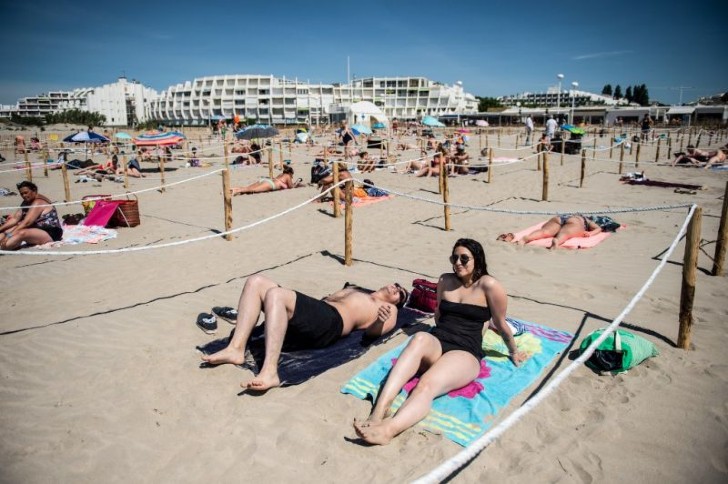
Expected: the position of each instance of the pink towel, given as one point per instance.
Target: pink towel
(574, 243)
(101, 213)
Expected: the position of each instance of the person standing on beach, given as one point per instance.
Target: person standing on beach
(529, 128)
(294, 321)
(551, 126)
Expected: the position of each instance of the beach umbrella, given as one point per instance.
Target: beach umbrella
(463, 131)
(360, 129)
(86, 137)
(572, 129)
(122, 136)
(159, 139)
(257, 131)
(481, 123)
(432, 122)
(379, 126)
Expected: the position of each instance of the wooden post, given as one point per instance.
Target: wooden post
(46, 154)
(690, 137)
(690, 265)
(480, 141)
(280, 154)
(682, 138)
(499, 131)
(446, 201)
(66, 185)
(443, 174)
(348, 223)
(631, 147)
(669, 147)
(538, 161)
(290, 149)
(225, 150)
(563, 148)
(518, 140)
(126, 171)
(28, 168)
(697, 141)
(637, 156)
(490, 164)
(270, 162)
(227, 202)
(545, 191)
(486, 139)
(621, 157)
(710, 139)
(336, 192)
(722, 240)
(611, 147)
(594, 149)
(657, 151)
(583, 167)
(161, 172)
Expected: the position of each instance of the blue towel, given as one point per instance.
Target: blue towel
(464, 415)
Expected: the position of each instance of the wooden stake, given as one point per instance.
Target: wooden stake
(336, 192)
(126, 171)
(227, 199)
(270, 162)
(443, 174)
(46, 155)
(28, 168)
(480, 141)
(348, 223)
(611, 147)
(657, 151)
(669, 147)
(66, 185)
(583, 168)
(637, 156)
(563, 148)
(722, 241)
(490, 164)
(538, 161)
(518, 140)
(545, 191)
(161, 172)
(280, 154)
(687, 293)
(446, 201)
(225, 150)
(594, 149)
(621, 157)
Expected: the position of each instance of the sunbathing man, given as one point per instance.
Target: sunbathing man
(265, 184)
(296, 321)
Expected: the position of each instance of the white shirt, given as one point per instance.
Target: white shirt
(551, 126)
(529, 123)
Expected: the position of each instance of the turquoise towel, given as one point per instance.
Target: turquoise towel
(464, 415)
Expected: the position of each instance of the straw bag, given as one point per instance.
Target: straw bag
(127, 213)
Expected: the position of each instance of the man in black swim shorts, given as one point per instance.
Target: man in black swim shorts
(296, 321)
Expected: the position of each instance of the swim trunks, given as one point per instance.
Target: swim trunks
(461, 327)
(314, 324)
(269, 181)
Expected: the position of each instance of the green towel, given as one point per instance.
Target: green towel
(634, 350)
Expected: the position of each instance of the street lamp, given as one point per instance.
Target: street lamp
(573, 98)
(560, 77)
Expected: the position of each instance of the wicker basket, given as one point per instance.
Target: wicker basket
(127, 214)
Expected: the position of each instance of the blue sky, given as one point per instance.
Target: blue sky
(494, 48)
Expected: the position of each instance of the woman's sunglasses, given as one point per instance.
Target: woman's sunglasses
(402, 293)
(464, 259)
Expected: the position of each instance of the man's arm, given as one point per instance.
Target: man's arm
(386, 320)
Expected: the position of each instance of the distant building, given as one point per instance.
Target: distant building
(551, 97)
(273, 100)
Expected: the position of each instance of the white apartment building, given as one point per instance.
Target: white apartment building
(551, 97)
(273, 100)
(123, 102)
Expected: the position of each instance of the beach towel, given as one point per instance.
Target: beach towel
(574, 243)
(659, 183)
(82, 234)
(363, 201)
(296, 367)
(464, 415)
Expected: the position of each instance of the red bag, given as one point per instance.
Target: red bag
(423, 296)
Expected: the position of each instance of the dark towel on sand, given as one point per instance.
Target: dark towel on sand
(296, 367)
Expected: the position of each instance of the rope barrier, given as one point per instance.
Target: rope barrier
(444, 470)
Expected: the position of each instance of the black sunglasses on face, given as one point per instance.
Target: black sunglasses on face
(464, 259)
(402, 293)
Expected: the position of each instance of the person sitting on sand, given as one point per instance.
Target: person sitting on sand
(416, 165)
(460, 162)
(296, 321)
(718, 157)
(265, 184)
(560, 229)
(433, 168)
(326, 182)
(448, 357)
(366, 163)
(34, 223)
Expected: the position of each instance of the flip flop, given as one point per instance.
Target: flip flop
(227, 313)
(207, 323)
(506, 237)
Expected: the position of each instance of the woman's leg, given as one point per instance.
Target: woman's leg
(249, 308)
(29, 236)
(549, 229)
(258, 187)
(422, 351)
(451, 371)
(574, 227)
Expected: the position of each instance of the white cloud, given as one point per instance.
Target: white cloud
(596, 55)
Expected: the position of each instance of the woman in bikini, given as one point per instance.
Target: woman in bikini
(448, 357)
(560, 229)
(35, 223)
(266, 184)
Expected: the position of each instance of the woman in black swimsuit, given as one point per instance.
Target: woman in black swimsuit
(35, 223)
(448, 357)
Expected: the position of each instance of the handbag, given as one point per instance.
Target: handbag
(423, 296)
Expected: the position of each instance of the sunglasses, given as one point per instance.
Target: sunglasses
(464, 259)
(402, 293)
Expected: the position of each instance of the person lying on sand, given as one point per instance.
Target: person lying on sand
(265, 184)
(297, 321)
(560, 229)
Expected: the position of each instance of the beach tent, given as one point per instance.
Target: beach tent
(366, 114)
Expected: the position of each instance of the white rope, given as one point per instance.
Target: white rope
(118, 195)
(173, 244)
(445, 469)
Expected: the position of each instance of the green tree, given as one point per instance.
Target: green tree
(628, 94)
(618, 92)
(484, 103)
(607, 90)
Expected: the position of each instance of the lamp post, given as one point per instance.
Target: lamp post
(573, 98)
(560, 77)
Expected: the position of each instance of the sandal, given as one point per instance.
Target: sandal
(207, 323)
(227, 313)
(506, 237)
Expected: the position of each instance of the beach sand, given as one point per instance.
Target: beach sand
(101, 379)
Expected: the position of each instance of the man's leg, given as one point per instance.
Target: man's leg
(279, 305)
(249, 307)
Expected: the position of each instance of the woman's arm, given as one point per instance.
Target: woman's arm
(594, 228)
(498, 304)
(30, 217)
(11, 222)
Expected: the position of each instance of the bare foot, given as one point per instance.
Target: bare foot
(262, 383)
(228, 355)
(554, 244)
(373, 433)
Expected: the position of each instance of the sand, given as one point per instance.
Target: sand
(101, 380)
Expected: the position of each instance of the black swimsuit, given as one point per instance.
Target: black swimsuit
(460, 327)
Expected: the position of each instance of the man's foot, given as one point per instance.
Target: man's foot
(228, 355)
(373, 433)
(262, 383)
